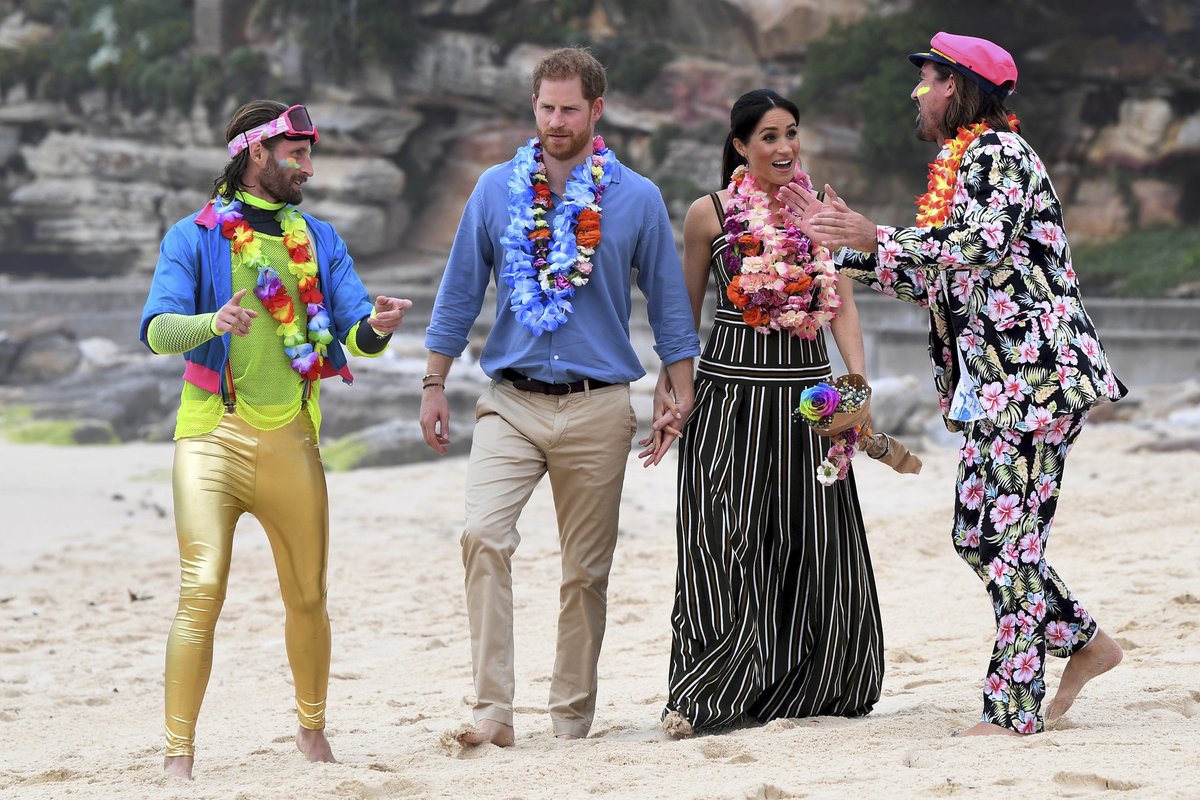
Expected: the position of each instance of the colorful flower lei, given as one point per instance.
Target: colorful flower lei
(306, 357)
(933, 207)
(781, 281)
(543, 266)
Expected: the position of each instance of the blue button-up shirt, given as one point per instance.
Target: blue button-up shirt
(594, 342)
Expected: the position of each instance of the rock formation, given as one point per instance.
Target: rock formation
(88, 186)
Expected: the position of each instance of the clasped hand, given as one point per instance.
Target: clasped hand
(671, 410)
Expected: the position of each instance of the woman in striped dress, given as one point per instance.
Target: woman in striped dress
(775, 607)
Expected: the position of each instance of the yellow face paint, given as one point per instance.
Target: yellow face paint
(924, 90)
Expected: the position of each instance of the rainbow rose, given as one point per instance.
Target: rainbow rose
(818, 401)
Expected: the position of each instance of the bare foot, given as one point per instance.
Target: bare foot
(1101, 654)
(676, 725)
(178, 767)
(314, 745)
(488, 731)
(566, 737)
(987, 729)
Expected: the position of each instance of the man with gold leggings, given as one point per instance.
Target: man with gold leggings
(259, 298)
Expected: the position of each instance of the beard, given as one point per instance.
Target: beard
(920, 127)
(926, 129)
(277, 181)
(565, 150)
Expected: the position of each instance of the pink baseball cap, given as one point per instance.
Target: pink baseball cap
(986, 63)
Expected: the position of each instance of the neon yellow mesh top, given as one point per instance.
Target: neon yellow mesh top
(269, 393)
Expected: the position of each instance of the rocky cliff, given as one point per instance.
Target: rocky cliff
(89, 180)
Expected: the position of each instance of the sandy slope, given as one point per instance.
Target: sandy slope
(88, 530)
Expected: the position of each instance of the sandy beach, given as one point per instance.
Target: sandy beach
(88, 584)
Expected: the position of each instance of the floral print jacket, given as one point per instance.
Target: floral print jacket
(997, 277)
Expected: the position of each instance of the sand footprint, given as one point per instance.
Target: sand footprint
(1077, 780)
(717, 749)
(1187, 706)
(60, 775)
(361, 791)
(769, 791)
(411, 720)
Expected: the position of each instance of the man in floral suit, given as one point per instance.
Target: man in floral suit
(1016, 360)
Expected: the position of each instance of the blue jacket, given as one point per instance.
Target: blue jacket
(193, 276)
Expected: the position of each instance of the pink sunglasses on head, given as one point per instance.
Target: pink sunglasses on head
(293, 122)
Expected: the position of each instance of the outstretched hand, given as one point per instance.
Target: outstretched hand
(832, 224)
(232, 318)
(389, 313)
(801, 203)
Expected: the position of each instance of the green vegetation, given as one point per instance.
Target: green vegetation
(549, 22)
(642, 11)
(858, 71)
(17, 425)
(630, 67)
(845, 74)
(341, 36)
(343, 454)
(660, 141)
(159, 475)
(137, 51)
(1147, 263)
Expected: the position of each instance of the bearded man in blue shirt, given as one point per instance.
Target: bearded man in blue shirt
(560, 229)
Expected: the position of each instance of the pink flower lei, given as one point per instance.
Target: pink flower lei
(781, 280)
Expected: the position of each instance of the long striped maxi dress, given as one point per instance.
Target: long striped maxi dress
(775, 611)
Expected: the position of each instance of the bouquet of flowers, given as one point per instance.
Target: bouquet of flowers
(841, 412)
(837, 411)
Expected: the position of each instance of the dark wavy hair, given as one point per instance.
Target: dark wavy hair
(251, 115)
(744, 117)
(970, 104)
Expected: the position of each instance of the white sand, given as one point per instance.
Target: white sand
(81, 661)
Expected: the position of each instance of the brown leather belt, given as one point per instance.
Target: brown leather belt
(525, 384)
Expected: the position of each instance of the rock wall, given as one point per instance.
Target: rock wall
(88, 188)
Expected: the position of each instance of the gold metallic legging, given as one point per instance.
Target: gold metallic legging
(276, 476)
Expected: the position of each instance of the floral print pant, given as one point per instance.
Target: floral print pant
(1008, 485)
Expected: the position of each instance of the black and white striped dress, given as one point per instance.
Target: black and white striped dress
(775, 607)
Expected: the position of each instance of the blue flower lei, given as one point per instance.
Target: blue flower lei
(543, 267)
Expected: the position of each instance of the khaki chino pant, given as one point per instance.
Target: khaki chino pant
(582, 441)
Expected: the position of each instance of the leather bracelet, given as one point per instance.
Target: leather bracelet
(425, 386)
